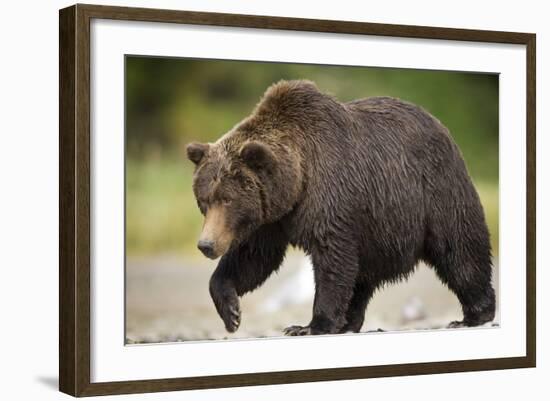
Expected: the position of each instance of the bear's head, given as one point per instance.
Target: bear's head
(239, 185)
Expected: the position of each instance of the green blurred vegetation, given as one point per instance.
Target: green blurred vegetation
(170, 102)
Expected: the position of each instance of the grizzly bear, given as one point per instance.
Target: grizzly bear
(367, 188)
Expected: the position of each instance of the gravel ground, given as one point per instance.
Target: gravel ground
(167, 300)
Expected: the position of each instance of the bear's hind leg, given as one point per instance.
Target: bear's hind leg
(457, 246)
(471, 283)
(477, 310)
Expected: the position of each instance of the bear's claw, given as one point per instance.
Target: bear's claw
(227, 303)
(297, 331)
(231, 315)
(456, 324)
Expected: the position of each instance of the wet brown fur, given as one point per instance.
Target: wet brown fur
(368, 188)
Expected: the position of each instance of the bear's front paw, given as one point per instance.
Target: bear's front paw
(227, 304)
(297, 331)
(230, 312)
(457, 324)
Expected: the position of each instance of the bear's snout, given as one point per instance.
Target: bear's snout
(215, 238)
(207, 248)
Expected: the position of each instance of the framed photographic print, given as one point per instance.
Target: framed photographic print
(250, 200)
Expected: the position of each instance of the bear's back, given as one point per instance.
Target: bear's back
(403, 137)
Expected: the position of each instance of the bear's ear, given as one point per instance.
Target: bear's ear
(196, 151)
(257, 155)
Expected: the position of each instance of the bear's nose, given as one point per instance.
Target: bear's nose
(206, 247)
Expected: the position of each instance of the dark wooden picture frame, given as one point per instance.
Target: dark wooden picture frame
(74, 200)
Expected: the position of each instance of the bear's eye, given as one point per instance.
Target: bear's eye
(226, 202)
(202, 206)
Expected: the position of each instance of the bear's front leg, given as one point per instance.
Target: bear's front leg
(226, 300)
(335, 273)
(243, 269)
